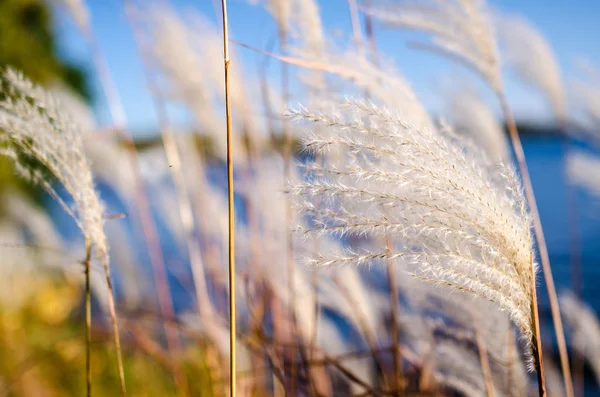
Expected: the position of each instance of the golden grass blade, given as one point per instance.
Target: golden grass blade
(88, 319)
(230, 202)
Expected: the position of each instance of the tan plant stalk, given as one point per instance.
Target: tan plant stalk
(532, 58)
(370, 33)
(144, 213)
(485, 364)
(115, 325)
(356, 29)
(545, 259)
(88, 319)
(230, 203)
(397, 374)
(368, 333)
(510, 346)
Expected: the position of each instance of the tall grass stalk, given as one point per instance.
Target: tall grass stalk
(545, 259)
(356, 28)
(367, 331)
(397, 374)
(88, 318)
(533, 60)
(485, 364)
(231, 209)
(397, 370)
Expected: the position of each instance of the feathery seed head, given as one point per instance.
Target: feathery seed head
(586, 94)
(450, 222)
(471, 115)
(34, 125)
(460, 29)
(533, 60)
(585, 327)
(583, 170)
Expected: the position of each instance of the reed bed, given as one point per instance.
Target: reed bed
(312, 231)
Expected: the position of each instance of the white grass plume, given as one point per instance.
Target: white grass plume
(460, 29)
(583, 169)
(554, 380)
(188, 52)
(585, 327)
(34, 124)
(470, 115)
(462, 318)
(585, 91)
(445, 214)
(383, 81)
(307, 22)
(78, 11)
(531, 57)
(466, 378)
(299, 19)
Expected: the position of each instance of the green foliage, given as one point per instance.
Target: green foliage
(27, 43)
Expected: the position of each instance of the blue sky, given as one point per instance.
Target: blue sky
(571, 27)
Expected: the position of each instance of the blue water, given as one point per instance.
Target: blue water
(545, 160)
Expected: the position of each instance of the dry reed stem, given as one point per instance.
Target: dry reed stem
(545, 77)
(510, 357)
(574, 255)
(88, 319)
(356, 29)
(370, 32)
(231, 210)
(368, 333)
(485, 363)
(556, 318)
(397, 374)
(115, 326)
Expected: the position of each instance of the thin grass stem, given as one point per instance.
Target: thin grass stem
(539, 233)
(88, 319)
(397, 374)
(230, 205)
(115, 327)
(485, 364)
